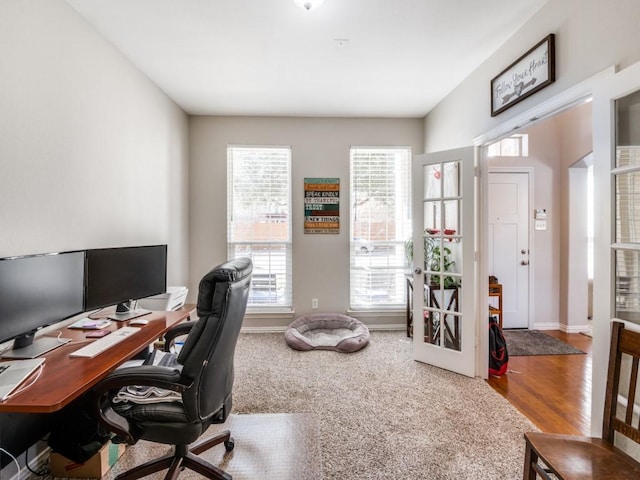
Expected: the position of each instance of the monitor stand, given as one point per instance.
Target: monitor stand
(122, 316)
(39, 347)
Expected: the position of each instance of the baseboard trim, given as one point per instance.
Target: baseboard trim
(574, 328)
(546, 326)
(281, 329)
(561, 327)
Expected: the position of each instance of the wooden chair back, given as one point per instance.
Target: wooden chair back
(622, 385)
(567, 457)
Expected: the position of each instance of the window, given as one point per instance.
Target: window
(513, 146)
(259, 221)
(380, 226)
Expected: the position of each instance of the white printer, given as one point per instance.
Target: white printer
(173, 299)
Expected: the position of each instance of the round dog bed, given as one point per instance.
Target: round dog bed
(327, 331)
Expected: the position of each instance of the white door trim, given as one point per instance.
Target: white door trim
(530, 173)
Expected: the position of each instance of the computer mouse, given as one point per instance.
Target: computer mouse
(139, 321)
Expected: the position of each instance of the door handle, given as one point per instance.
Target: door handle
(417, 271)
(524, 262)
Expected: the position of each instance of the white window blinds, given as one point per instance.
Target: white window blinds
(380, 226)
(259, 221)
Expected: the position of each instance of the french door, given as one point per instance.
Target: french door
(444, 323)
(616, 287)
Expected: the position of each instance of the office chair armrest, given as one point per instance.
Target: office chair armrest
(148, 375)
(144, 375)
(176, 331)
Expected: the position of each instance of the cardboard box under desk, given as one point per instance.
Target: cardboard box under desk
(96, 467)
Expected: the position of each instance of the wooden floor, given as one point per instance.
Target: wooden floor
(553, 391)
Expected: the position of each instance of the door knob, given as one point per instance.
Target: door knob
(417, 271)
(523, 251)
(524, 262)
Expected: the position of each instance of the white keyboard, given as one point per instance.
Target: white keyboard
(101, 344)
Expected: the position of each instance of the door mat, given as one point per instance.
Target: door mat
(521, 343)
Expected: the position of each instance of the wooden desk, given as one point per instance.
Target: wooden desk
(65, 378)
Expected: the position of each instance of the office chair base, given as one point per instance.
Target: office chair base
(184, 457)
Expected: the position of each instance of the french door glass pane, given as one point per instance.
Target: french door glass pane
(628, 208)
(628, 285)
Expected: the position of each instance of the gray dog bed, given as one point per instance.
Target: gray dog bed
(327, 331)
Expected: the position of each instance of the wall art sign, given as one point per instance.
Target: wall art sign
(531, 72)
(321, 205)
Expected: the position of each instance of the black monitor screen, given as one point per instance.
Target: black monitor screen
(118, 275)
(39, 290)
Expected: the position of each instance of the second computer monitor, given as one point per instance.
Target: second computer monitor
(118, 276)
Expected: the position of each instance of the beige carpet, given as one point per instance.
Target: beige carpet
(383, 415)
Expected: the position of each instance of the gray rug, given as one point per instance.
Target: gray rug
(521, 343)
(383, 415)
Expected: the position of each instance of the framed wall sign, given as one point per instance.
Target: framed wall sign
(531, 72)
(321, 205)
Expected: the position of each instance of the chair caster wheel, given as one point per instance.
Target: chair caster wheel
(229, 444)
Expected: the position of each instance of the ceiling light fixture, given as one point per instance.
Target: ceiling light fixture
(309, 4)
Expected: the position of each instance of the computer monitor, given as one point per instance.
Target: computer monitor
(37, 291)
(119, 276)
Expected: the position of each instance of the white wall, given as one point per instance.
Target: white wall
(576, 141)
(92, 153)
(320, 148)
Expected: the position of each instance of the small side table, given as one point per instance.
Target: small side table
(495, 290)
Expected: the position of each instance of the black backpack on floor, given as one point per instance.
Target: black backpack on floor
(498, 355)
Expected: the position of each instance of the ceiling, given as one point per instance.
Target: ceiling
(347, 58)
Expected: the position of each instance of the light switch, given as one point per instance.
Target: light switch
(541, 225)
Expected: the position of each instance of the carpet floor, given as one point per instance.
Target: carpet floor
(522, 343)
(381, 414)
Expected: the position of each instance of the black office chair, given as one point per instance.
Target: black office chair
(203, 375)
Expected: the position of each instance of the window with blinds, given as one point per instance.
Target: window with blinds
(259, 221)
(380, 226)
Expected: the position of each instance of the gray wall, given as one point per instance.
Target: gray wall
(591, 35)
(91, 153)
(320, 148)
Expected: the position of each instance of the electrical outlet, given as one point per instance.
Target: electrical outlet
(314, 303)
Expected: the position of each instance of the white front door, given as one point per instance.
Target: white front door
(616, 152)
(444, 322)
(508, 237)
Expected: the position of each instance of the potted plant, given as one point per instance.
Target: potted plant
(432, 254)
